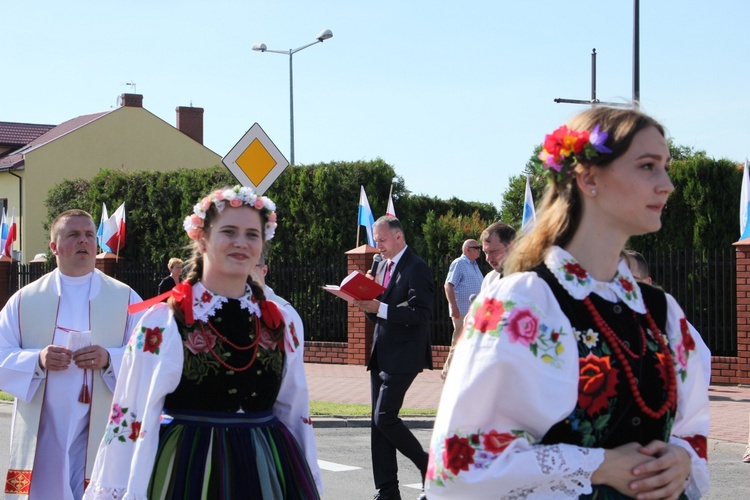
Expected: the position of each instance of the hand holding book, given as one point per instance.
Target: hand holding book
(356, 286)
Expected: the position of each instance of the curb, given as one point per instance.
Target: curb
(330, 422)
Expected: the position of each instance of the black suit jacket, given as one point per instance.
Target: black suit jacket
(401, 343)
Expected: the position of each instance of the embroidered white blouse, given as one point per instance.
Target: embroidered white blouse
(515, 374)
(151, 369)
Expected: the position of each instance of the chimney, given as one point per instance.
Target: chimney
(190, 122)
(132, 100)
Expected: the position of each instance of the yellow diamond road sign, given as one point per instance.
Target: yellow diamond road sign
(255, 160)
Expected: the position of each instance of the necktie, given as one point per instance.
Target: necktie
(387, 277)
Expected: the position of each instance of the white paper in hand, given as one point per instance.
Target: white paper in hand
(78, 340)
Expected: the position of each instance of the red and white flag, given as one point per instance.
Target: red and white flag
(113, 234)
(8, 247)
(390, 211)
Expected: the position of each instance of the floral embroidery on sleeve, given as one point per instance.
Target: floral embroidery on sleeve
(699, 444)
(460, 453)
(293, 331)
(122, 426)
(521, 324)
(148, 339)
(683, 349)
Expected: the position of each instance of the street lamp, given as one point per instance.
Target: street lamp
(261, 47)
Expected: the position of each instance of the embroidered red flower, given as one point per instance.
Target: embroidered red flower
(293, 331)
(626, 285)
(458, 454)
(266, 340)
(495, 442)
(662, 367)
(135, 430)
(523, 326)
(687, 338)
(488, 315)
(596, 383)
(206, 296)
(576, 270)
(198, 342)
(699, 444)
(152, 340)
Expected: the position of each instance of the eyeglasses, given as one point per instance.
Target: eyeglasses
(476, 248)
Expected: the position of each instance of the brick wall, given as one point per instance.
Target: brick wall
(741, 366)
(336, 353)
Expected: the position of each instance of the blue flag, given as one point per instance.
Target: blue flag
(100, 230)
(365, 216)
(745, 204)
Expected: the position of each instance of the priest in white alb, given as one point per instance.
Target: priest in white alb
(61, 343)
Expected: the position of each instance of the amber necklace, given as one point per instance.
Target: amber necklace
(616, 342)
(253, 345)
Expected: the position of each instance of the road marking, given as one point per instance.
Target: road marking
(333, 467)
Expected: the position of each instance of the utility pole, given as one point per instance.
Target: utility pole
(593, 101)
(635, 104)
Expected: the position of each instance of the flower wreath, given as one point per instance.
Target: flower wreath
(236, 196)
(564, 148)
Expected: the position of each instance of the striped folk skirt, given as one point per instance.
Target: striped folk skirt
(218, 455)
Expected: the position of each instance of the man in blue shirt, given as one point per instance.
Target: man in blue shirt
(463, 282)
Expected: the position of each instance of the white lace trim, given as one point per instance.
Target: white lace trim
(203, 310)
(552, 462)
(581, 288)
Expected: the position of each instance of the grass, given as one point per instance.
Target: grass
(320, 408)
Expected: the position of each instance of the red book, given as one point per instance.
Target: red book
(356, 286)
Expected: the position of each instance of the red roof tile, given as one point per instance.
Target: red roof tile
(20, 134)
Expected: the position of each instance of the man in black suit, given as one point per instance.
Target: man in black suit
(400, 350)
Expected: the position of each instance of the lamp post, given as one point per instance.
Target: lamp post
(261, 47)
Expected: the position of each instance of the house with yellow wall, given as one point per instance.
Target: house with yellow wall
(125, 138)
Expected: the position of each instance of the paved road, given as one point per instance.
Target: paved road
(344, 453)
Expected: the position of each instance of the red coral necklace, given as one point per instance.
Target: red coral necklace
(253, 345)
(616, 343)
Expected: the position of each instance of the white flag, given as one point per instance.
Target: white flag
(529, 214)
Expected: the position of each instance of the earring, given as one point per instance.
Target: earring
(593, 192)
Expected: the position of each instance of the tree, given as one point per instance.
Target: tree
(444, 235)
(316, 207)
(701, 211)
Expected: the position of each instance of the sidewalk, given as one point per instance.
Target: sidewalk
(730, 405)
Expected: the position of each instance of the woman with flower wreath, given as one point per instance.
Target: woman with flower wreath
(225, 365)
(570, 379)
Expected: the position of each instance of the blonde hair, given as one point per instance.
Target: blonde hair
(54, 231)
(559, 212)
(174, 261)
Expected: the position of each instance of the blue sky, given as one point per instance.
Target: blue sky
(454, 95)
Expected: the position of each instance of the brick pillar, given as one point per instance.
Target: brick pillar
(5, 291)
(743, 312)
(359, 343)
(107, 263)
